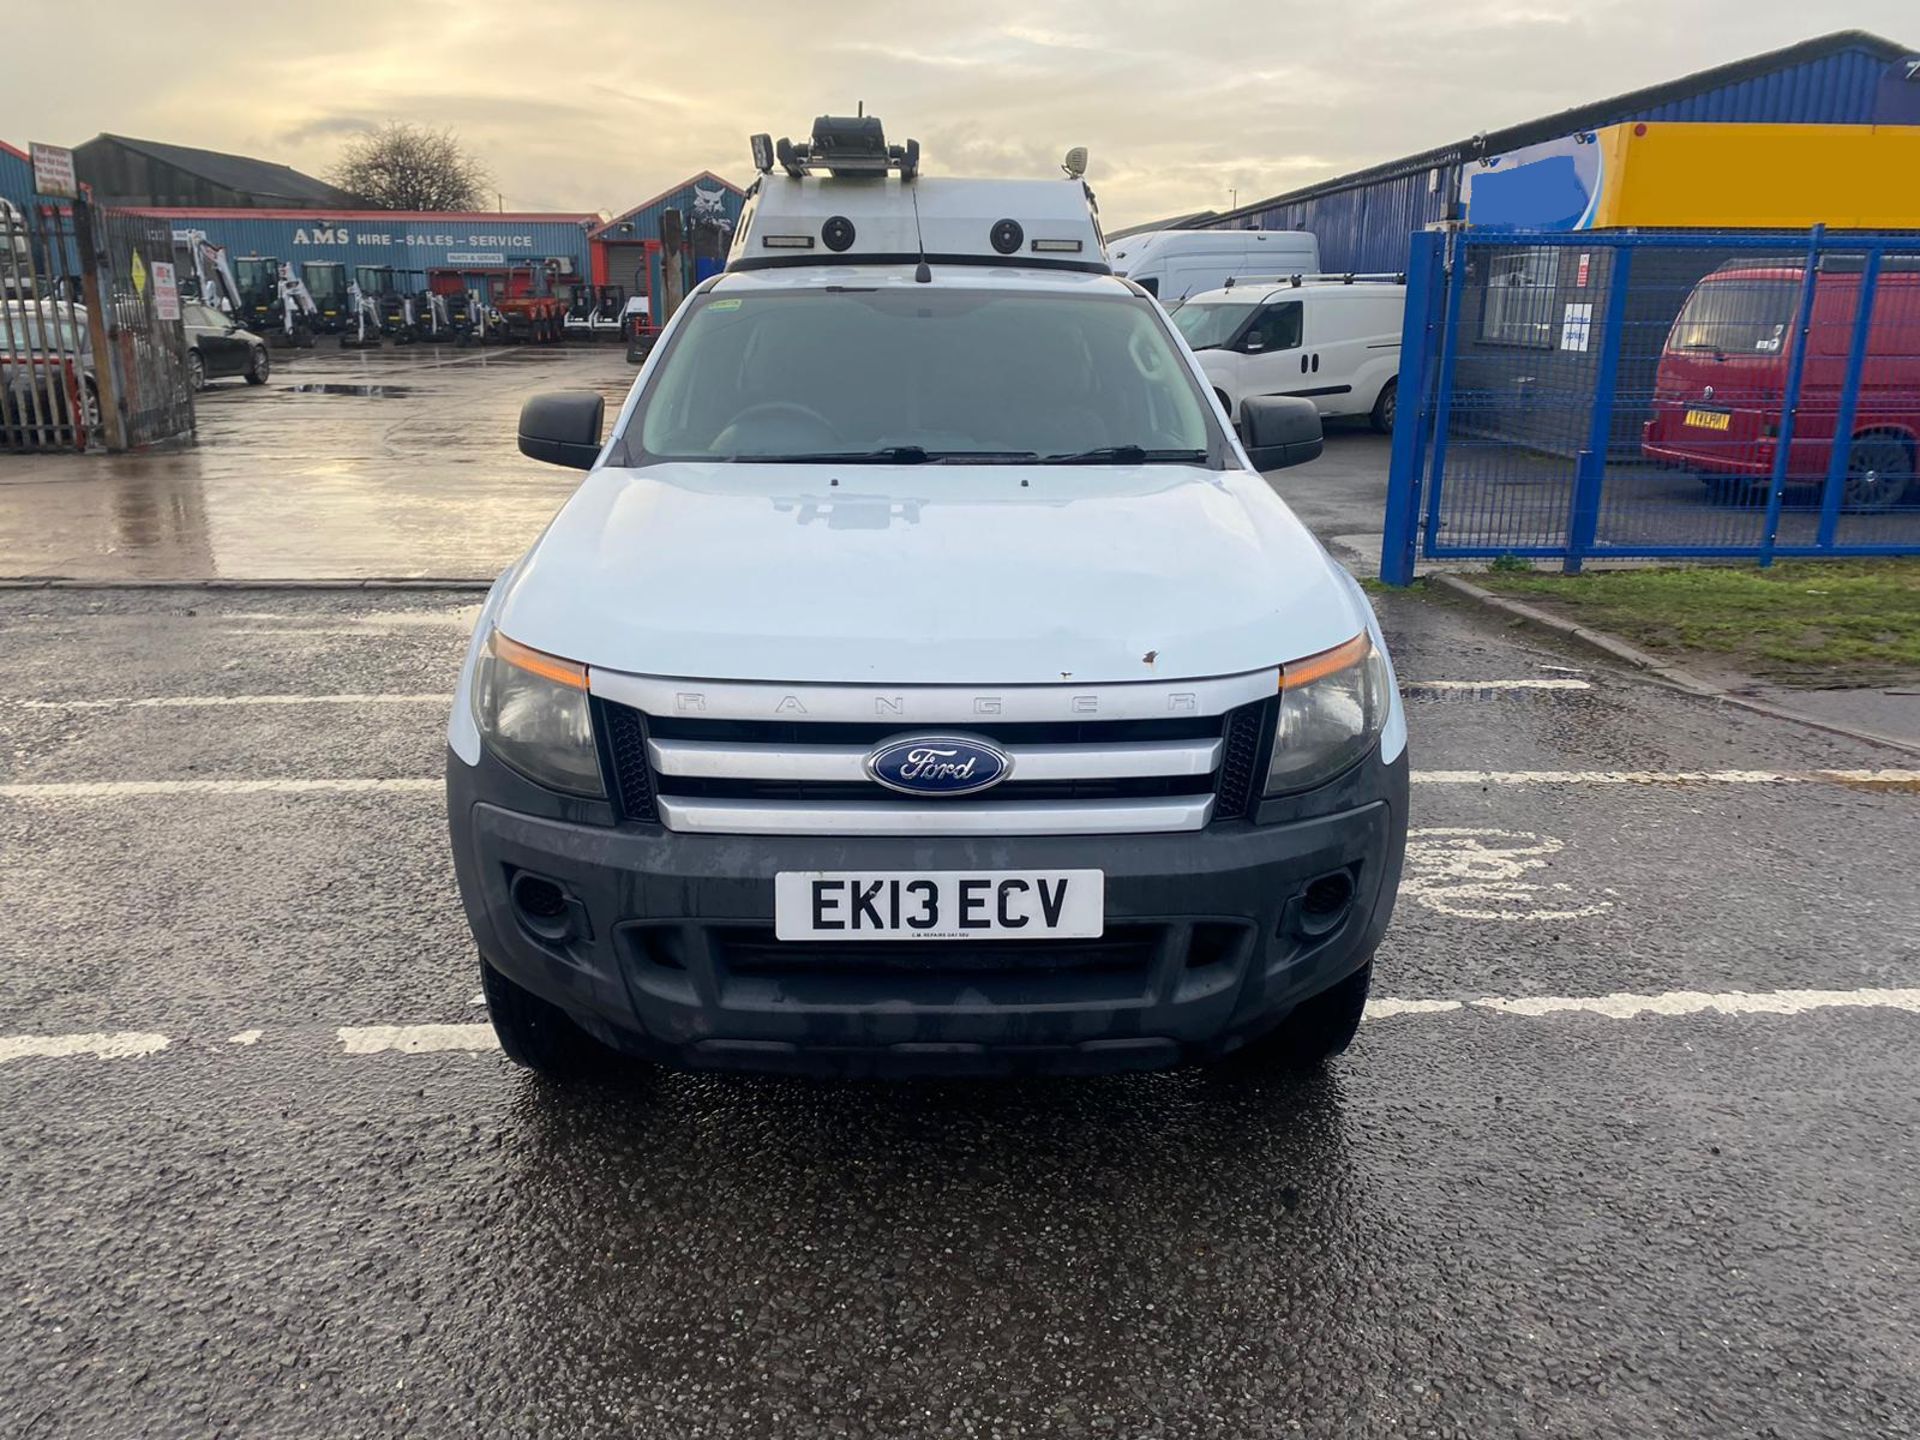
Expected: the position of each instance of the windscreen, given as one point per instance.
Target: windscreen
(255, 275)
(1207, 324)
(1735, 315)
(25, 331)
(926, 373)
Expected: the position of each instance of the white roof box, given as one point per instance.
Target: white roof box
(868, 216)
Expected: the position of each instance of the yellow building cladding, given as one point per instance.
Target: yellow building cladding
(1757, 177)
(1656, 175)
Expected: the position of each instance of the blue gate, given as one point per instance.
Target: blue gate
(1578, 396)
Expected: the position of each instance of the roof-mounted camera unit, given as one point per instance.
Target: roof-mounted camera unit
(844, 146)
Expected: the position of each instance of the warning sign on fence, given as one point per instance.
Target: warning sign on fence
(166, 292)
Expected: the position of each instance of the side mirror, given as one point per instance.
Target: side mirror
(1254, 342)
(562, 427)
(1280, 430)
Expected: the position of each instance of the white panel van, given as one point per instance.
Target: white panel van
(1178, 264)
(1334, 340)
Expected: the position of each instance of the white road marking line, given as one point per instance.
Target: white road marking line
(438, 1039)
(1693, 1002)
(1666, 777)
(364, 632)
(415, 1039)
(1416, 687)
(196, 702)
(135, 789)
(102, 1044)
(457, 616)
(1386, 1007)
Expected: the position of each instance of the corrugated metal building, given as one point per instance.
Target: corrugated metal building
(624, 247)
(124, 171)
(16, 176)
(1363, 220)
(472, 243)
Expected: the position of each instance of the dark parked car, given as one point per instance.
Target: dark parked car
(218, 348)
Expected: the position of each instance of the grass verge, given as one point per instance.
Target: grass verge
(1814, 623)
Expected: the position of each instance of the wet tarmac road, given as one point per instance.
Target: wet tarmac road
(398, 462)
(1645, 1216)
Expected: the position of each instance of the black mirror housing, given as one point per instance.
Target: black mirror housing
(1280, 430)
(562, 427)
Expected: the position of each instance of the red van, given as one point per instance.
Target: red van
(1717, 396)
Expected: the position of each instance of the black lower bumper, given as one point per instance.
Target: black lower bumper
(663, 945)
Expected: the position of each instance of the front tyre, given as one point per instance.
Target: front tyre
(259, 367)
(537, 1034)
(1316, 1031)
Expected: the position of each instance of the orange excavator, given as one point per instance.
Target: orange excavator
(527, 306)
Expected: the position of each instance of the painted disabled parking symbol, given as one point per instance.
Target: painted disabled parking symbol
(1473, 873)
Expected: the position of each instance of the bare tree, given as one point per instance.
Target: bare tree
(402, 166)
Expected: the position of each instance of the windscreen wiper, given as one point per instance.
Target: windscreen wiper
(1126, 455)
(886, 455)
(895, 455)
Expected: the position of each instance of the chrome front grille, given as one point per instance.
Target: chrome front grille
(770, 760)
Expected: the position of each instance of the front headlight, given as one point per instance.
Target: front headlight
(532, 711)
(1332, 708)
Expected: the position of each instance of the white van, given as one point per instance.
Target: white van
(1334, 340)
(923, 679)
(1177, 264)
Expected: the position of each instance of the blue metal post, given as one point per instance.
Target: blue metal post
(1443, 399)
(1849, 403)
(1411, 411)
(1583, 518)
(1790, 406)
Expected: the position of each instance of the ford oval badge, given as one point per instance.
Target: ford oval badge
(938, 765)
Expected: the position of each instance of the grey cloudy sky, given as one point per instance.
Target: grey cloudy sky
(593, 104)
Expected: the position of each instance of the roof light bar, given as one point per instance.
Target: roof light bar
(1055, 247)
(787, 242)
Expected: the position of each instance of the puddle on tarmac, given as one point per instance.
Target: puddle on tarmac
(368, 392)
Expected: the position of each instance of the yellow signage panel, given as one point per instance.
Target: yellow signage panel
(1758, 177)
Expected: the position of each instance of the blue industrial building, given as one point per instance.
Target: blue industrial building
(16, 176)
(1363, 220)
(626, 249)
(409, 241)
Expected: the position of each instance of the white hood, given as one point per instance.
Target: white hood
(928, 574)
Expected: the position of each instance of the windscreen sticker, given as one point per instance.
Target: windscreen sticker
(723, 305)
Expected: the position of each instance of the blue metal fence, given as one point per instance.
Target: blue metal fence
(1585, 395)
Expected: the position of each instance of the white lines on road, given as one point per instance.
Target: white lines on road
(1622, 1006)
(138, 789)
(1488, 688)
(414, 1039)
(209, 702)
(103, 1044)
(1667, 777)
(353, 785)
(363, 1040)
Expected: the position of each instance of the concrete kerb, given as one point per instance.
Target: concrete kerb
(1660, 670)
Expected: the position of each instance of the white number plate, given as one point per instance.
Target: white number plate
(939, 904)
